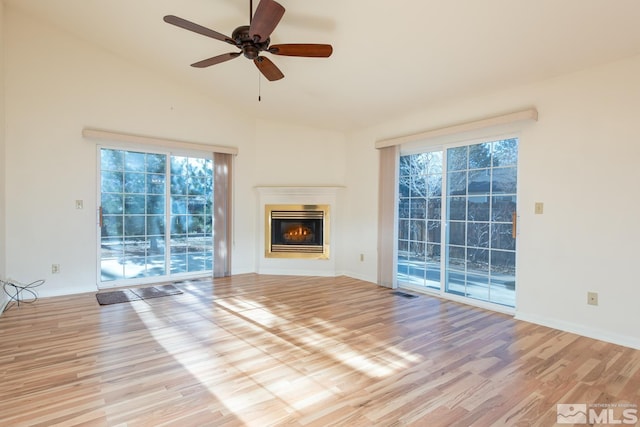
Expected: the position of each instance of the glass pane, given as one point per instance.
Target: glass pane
(478, 208)
(456, 282)
(196, 261)
(111, 160)
(405, 166)
(503, 263)
(502, 237)
(178, 166)
(134, 183)
(403, 229)
(457, 208)
(178, 224)
(403, 259)
(434, 162)
(196, 205)
(155, 226)
(434, 208)
(417, 230)
(178, 205)
(434, 185)
(112, 203)
(179, 185)
(457, 257)
(112, 182)
(195, 224)
(198, 186)
(135, 247)
(418, 186)
(134, 204)
(457, 233)
(112, 225)
(503, 208)
(156, 266)
(134, 225)
(405, 186)
(178, 262)
(155, 205)
(155, 184)
(478, 261)
(434, 231)
(504, 180)
(134, 267)
(432, 277)
(505, 153)
(134, 162)
(457, 182)
(156, 163)
(404, 210)
(478, 235)
(480, 156)
(457, 158)
(479, 182)
(477, 286)
(418, 208)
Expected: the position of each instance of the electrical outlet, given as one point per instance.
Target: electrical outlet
(55, 268)
(539, 208)
(592, 298)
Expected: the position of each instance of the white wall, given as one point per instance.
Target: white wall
(581, 160)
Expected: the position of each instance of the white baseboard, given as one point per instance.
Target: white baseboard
(624, 340)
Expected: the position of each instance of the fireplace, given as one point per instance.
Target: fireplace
(297, 231)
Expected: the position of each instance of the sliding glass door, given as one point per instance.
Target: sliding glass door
(462, 243)
(155, 216)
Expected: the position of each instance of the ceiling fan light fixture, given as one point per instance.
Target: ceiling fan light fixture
(253, 39)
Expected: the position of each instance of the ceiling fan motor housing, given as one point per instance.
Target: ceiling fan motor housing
(250, 48)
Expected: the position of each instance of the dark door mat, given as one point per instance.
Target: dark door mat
(116, 297)
(403, 294)
(136, 294)
(156, 291)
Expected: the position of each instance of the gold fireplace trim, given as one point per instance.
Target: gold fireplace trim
(292, 253)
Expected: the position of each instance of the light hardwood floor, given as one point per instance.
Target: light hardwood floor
(296, 351)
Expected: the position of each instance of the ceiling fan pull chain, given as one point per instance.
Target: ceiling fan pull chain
(259, 88)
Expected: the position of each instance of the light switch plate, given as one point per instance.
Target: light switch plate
(539, 209)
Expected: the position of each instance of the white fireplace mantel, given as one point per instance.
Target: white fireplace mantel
(303, 195)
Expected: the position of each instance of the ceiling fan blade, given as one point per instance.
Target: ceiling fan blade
(301, 49)
(191, 26)
(268, 14)
(216, 60)
(268, 68)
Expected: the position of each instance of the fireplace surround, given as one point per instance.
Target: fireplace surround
(300, 198)
(297, 231)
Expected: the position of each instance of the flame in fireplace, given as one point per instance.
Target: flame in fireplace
(298, 233)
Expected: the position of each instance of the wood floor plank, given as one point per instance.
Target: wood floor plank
(259, 350)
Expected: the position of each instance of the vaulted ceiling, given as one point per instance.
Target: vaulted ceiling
(390, 58)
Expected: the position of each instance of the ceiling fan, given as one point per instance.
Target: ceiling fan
(254, 38)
